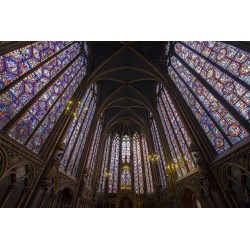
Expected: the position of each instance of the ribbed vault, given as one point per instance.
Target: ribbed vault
(127, 74)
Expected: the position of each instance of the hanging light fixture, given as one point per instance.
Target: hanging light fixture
(194, 152)
(154, 157)
(107, 175)
(69, 106)
(74, 111)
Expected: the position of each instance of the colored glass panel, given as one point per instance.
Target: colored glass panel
(20, 61)
(137, 160)
(125, 149)
(114, 165)
(233, 59)
(19, 95)
(159, 151)
(234, 131)
(52, 117)
(24, 128)
(93, 152)
(125, 179)
(74, 137)
(234, 93)
(214, 135)
(105, 165)
(148, 173)
(174, 148)
(181, 135)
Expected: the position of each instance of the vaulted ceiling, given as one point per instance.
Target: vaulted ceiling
(127, 73)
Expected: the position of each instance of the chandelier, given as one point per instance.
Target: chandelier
(153, 157)
(107, 175)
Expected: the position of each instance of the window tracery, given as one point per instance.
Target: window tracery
(136, 174)
(225, 69)
(92, 158)
(137, 161)
(105, 162)
(125, 149)
(176, 134)
(36, 84)
(125, 177)
(76, 135)
(147, 165)
(159, 151)
(114, 165)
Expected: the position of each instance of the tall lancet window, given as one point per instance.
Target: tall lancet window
(213, 78)
(176, 134)
(113, 169)
(159, 151)
(125, 177)
(237, 62)
(92, 158)
(137, 164)
(114, 165)
(36, 84)
(77, 132)
(125, 149)
(105, 163)
(147, 166)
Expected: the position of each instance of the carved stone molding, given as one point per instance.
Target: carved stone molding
(19, 165)
(63, 182)
(20, 151)
(192, 183)
(234, 169)
(126, 193)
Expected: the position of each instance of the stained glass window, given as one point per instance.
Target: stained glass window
(105, 162)
(176, 134)
(137, 162)
(147, 165)
(167, 48)
(21, 93)
(234, 92)
(92, 158)
(221, 127)
(86, 48)
(159, 151)
(68, 82)
(77, 132)
(114, 165)
(36, 84)
(233, 59)
(20, 61)
(125, 178)
(139, 168)
(125, 149)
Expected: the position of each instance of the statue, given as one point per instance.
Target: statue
(84, 180)
(54, 164)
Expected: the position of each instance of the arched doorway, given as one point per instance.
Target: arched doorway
(125, 202)
(64, 199)
(189, 199)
